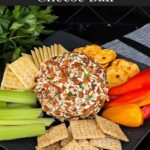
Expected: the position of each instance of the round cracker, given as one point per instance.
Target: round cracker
(104, 57)
(80, 49)
(117, 61)
(92, 47)
(104, 66)
(111, 51)
(131, 68)
(116, 76)
(92, 50)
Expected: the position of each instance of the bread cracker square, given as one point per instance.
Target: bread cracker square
(107, 143)
(25, 70)
(49, 52)
(68, 139)
(55, 50)
(10, 81)
(52, 51)
(85, 145)
(45, 52)
(111, 128)
(85, 129)
(27, 55)
(54, 135)
(73, 145)
(55, 146)
(38, 54)
(35, 59)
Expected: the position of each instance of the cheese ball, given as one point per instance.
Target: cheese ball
(71, 86)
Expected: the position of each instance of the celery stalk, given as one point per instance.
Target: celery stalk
(21, 107)
(45, 121)
(24, 113)
(22, 97)
(11, 105)
(3, 104)
(24, 131)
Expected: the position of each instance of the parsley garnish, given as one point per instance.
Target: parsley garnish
(48, 78)
(92, 100)
(82, 87)
(86, 75)
(70, 94)
(21, 27)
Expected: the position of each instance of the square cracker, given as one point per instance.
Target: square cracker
(111, 128)
(60, 50)
(52, 51)
(35, 59)
(85, 145)
(107, 143)
(38, 54)
(85, 129)
(10, 81)
(45, 52)
(49, 52)
(55, 50)
(25, 70)
(55, 134)
(73, 145)
(55, 146)
(41, 53)
(27, 55)
(68, 139)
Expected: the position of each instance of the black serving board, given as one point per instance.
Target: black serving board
(69, 41)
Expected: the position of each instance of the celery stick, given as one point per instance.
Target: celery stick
(10, 105)
(24, 131)
(3, 104)
(24, 113)
(45, 121)
(22, 97)
(22, 107)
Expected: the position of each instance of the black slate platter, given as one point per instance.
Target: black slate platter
(69, 41)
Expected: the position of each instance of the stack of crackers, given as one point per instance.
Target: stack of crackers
(96, 134)
(118, 71)
(43, 54)
(19, 75)
(103, 56)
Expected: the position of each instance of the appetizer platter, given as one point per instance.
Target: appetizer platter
(72, 94)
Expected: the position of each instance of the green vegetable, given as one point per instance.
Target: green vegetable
(86, 75)
(45, 121)
(15, 105)
(82, 87)
(22, 97)
(20, 29)
(70, 94)
(24, 131)
(24, 113)
(21, 107)
(3, 104)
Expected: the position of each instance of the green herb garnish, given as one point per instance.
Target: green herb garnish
(70, 94)
(92, 100)
(86, 75)
(82, 87)
(69, 74)
(48, 78)
(20, 28)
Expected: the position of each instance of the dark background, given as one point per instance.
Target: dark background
(101, 25)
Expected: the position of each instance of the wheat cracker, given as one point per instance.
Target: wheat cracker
(111, 128)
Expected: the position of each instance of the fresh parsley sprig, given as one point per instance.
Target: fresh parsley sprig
(20, 28)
